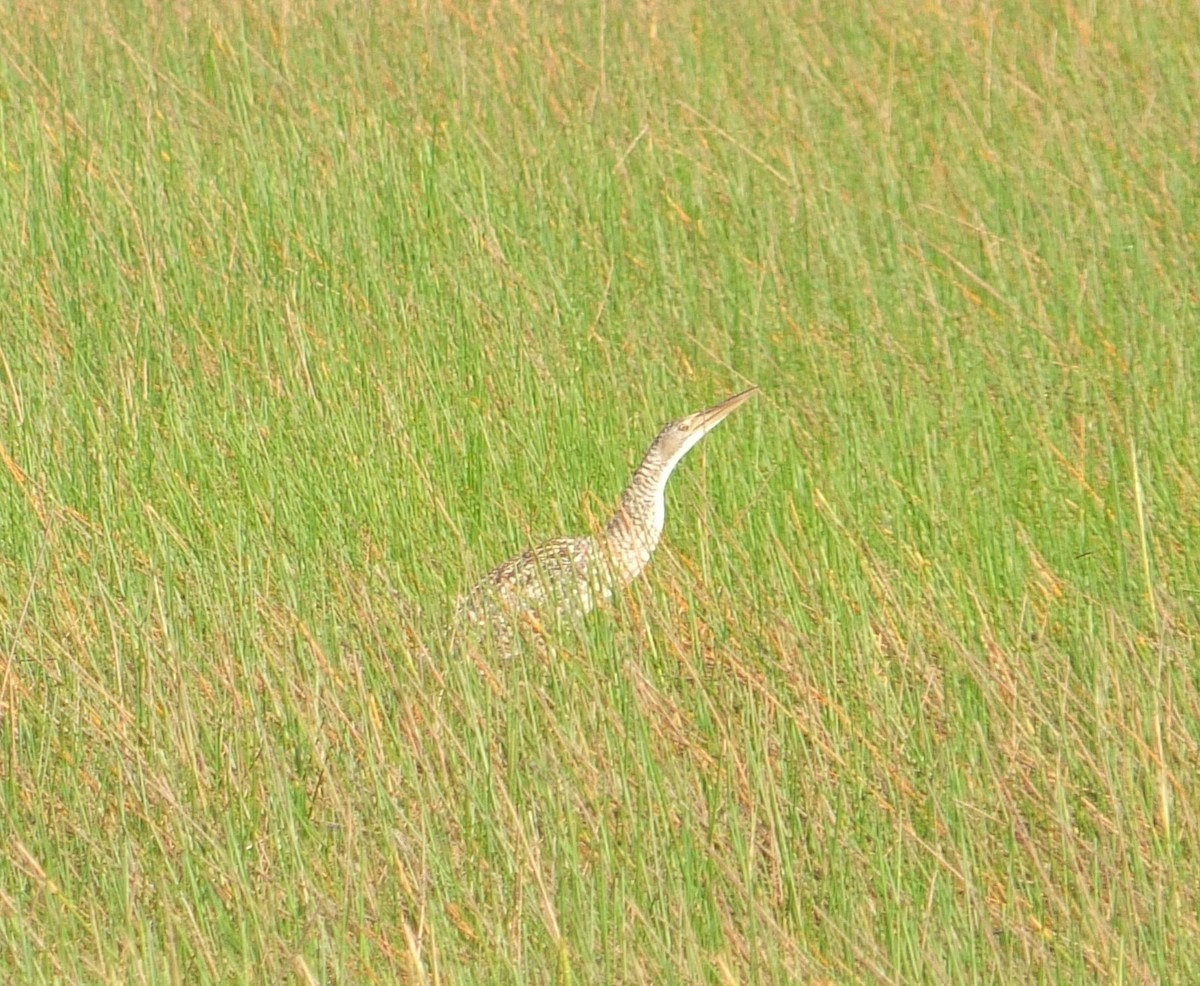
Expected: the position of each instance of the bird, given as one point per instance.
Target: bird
(569, 576)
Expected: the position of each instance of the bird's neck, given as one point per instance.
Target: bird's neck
(637, 526)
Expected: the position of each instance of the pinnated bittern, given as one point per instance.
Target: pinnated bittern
(567, 577)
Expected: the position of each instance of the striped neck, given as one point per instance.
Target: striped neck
(642, 512)
(637, 526)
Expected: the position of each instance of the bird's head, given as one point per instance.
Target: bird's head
(678, 438)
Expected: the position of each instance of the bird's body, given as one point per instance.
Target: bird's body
(568, 577)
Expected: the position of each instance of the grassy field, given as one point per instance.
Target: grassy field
(311, 312)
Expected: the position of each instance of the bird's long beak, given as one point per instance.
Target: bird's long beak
(709, 418)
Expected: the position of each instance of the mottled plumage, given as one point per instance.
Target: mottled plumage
(569, 576)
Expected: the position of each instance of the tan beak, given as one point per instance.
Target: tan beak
(714, 415)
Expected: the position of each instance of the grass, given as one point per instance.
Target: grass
(312, 312)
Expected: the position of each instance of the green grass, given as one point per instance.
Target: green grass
(311, 312)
